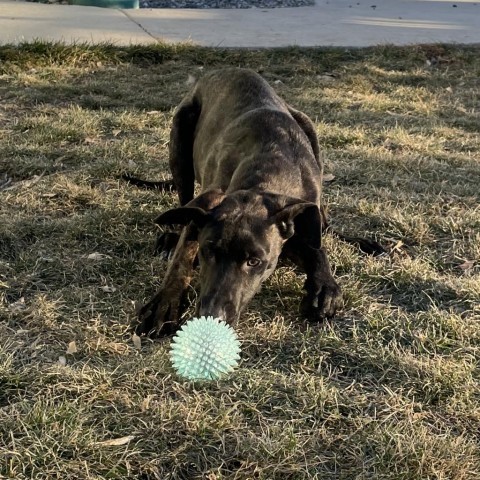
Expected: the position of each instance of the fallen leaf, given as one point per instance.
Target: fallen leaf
(467, 265)
(62, 360)
(137, 341)
(72, 348)
(115, 442)
(153, 112)
(108, 289)
(90, 140)
(132, 164)
(97, 256)
(328, 177)
(326, 78)
(116, 132)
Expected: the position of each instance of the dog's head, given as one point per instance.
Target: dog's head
(240, 239)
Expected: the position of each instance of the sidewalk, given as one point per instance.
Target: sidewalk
(328, 23)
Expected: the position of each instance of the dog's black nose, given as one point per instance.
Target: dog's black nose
(211, 307)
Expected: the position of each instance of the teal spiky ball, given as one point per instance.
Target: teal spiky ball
(204, 349)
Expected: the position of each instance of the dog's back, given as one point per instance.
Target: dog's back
(246, 134)
(231, 92)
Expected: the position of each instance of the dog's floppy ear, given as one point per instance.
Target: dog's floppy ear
(183, 216)
(294, 215)
(196, 211)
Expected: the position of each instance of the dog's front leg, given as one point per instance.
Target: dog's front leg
(324, 296)
(161, 315)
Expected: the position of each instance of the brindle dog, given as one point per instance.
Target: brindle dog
(259, 166)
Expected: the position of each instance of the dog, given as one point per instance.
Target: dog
(259, 166)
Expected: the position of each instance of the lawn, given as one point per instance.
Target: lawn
(389, 390)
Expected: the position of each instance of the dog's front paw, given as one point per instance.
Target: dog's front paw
(160, 317)
(322, 304)
(166, 244)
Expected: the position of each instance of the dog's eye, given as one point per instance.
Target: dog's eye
(253, 262)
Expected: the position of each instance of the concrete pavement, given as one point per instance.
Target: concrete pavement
(328, 23)
(23, 21)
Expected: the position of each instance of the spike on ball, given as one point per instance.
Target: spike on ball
(205, 348)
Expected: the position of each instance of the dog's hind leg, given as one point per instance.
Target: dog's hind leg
(368, 246)
(307, 126)
(182, 137)
(181, 165)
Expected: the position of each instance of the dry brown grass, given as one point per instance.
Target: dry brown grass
(390, 390)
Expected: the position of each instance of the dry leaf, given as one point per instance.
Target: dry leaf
(62, 360)
(153, 112)
(328, 177)
(90, 140)
(467, 265)
(72, 348)
(132, 165)
(108, 289)
(326, 78)
(137, 341)
(116, 132)
(97, 256)
(115, 442)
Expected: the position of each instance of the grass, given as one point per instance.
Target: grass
(390, 390)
